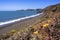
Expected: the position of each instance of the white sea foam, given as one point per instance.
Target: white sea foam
(12, 21)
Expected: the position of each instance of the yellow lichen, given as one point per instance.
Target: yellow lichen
(45, 25)
(36, 32)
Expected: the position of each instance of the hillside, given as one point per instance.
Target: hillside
(46, 28)
(52, 8)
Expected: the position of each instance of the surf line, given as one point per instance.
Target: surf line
(12, 21)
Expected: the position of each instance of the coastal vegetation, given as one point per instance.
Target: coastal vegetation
(47, 28)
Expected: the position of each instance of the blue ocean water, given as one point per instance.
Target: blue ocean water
(11, 15)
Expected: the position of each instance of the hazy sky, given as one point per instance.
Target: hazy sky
(25, 4)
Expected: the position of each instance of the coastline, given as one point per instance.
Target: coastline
(15, 20)
(19, 23)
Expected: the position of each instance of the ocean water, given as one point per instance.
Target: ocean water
(11, 15)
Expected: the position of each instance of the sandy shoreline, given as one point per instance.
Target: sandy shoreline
(19, 24)
(19, 19)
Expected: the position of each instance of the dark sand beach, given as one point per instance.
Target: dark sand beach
(19, 25)
(42, 27)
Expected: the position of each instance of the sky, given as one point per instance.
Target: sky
(7, 5)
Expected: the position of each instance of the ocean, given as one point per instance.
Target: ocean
(11, 15)
(7, 17)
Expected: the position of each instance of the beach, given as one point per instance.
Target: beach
(40, 26)
(19, 24)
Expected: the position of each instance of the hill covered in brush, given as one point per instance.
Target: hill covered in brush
(52, 8)
(47, 28)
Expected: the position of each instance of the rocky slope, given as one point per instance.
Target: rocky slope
(48, 28)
